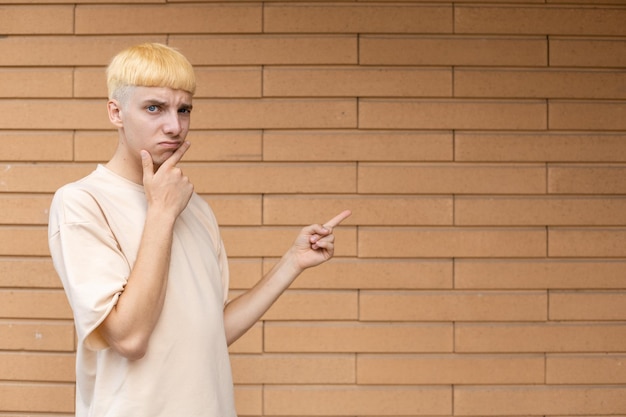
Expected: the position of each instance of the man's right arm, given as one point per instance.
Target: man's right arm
(129, 325)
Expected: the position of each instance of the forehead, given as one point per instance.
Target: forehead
(163, 95)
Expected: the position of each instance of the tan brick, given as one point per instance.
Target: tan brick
(356, 82)
(357, 18)
(585, 369)
(76, 114)
(608, 2)
(274, 114)
(28, 366)
(229, 82)
(267, 49)
(249, 400)
(443, 178)
(315, 305)
(347, 273)
(24, 241)
(34, 83)
(587, 52)
(587, 115)
(587, 305)
(587, 242)
(90, 83)
(42, 178)
(66, 51)
(534, 400)
(250, 342)
(548, 337)
(539, 274)
(452, 50)
(34, 397)
(198, 18)
(539, 20)
(244, 272)
(37, 19)
(357, 337)
(250, 178)
(357, 145)
(239, 145)
(28, 272)
(353, 400)
(24, 209)
(586, 179)
(452, 242)
(252, 241)
(232, 210)
(51, 335)
(540, 146)
(539, 83)
(452, 114)
(112, 2)
(450, 369)
(31, 146)
(39, 415)
(95, 146)
(537, 211)
(44, 304)
(293, 369)
(366, 209)
(454, 306)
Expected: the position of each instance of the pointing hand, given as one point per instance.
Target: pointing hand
(316, 243)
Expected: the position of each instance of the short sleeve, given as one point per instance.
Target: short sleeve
(88, 259)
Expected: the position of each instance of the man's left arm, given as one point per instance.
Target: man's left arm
(314, 245)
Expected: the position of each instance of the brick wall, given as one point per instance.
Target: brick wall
(481, 147)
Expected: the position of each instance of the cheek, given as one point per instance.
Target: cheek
(185, 122)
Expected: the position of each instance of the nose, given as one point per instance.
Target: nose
(173, 126)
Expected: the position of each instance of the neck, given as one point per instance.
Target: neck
(126, 166)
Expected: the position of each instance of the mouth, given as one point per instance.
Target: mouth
(170, 144)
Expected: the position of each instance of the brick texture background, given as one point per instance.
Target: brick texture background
(480, 145)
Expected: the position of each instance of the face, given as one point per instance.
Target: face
(152, 118)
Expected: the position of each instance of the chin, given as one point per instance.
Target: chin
(162, 157)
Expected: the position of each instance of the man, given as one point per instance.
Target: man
(142, 262)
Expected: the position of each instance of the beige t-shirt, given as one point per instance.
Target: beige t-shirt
(94, 234)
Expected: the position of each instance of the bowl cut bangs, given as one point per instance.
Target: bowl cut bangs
(149, 65)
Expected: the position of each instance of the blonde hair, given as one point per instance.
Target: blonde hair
(149, 65)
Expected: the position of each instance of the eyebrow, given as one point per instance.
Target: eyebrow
(154, 101)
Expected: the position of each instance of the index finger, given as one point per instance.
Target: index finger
(178, 154)
(337, 219)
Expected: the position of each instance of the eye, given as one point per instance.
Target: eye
(152, 108)
(184, 110)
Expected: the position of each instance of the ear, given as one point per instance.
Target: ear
(115, 112)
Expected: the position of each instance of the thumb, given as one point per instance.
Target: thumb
(146, 163)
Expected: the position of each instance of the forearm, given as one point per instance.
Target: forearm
(129, 325)
(313, 246)
(244, 311)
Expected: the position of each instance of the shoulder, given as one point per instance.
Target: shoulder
(72, 201)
